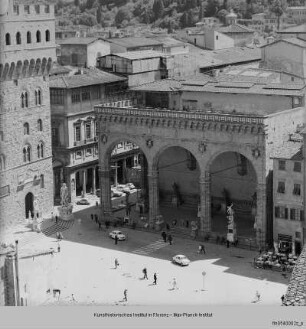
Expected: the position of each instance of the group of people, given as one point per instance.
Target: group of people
(166, 237)
(94, 217)
(275, 261)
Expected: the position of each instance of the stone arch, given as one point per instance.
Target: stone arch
(5, 71)
(49, 64)
(8, 40)
(18, 72)
(29, 205)
(37, 66)
(164, 147)
(111, 144)
(25, 68)
(44, 66)
(12, 70)
(31, 66)
(1, 70)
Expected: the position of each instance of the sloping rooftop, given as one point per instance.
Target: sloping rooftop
(165, 85)
(132, 42)
(169, 42)
(205, 83)
(293, 41)
(78, 41)
(140, 54)
(235, 28)
(294, 29)
(88, 78)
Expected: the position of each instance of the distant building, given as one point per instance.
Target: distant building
(210, 39)
(293, 32)
(288, 195)
(139, 66)
(61, 34)
(240, 33)
(121, 45)
(296, 15)
(207, 22)
(82, 51)
(171, 46)
(231, 18)
(74, 134)
(279, 56)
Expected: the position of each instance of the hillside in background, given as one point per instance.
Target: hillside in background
(169, 14)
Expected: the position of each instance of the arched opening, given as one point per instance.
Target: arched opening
(47, 35)
(179, 191)
(39, 125)
(8, 39)
(18, 38)
(26, 129)
(29, 37)
(38, 36)
(233, 182)
(128, 182)
(29, 208)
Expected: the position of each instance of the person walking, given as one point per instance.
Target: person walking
(56, 219)
(155, 279)
(125, 295)
(58, 248)
(145, 273)
(164, 236)
(100, 225)
(174, 284)
(96, 219)
(170, 239)
(92, 217)
(282, 299)
(116, 263)
(116, 239)
(201, 249)
(227, 244)
(257, 296)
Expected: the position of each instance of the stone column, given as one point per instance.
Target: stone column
(105, 199)
(153, 197)
(84, 182)
(124, 171)
(116, 174)
(205, 197)
(94, 180)
(261, 216)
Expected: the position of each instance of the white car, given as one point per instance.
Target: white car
(181, 260)
(115, 193)
(120, 235)
(131, 186)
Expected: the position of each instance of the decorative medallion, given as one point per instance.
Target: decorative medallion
(149, 143)
(256, 153)
(202, 147)
(104, 139)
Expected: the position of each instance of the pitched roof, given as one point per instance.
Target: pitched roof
(132, 42)
(78, 41)
(235, 28)
(292, 41)
(140, 54)
(294, 29)
(165, 85)
(169, 42)
(89, 78)
(288, 150)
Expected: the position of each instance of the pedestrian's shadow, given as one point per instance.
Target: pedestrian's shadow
(141, 279)
(151, 284)
(171, 289)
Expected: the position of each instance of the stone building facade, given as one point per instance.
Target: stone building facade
(27, 51)
(216, 134)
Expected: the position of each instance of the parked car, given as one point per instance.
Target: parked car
(83, 202)
(119, 234)
(181, 260)
(131, 186)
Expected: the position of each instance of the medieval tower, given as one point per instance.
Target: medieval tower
(27, 51)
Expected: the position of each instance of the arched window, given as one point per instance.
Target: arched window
(39, 125)
(38, 36)
(40, 150)
(26, 129)
(2, 162)
(37, 97)
(8, 39)
(47, 35)
(18, 38)
(27, 153)
(29, 37)
(24, 99)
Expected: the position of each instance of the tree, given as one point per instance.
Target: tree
(211, 8)
(99, 14)
(278, 8)
(222, 14)
(158, 8)
(122, 15)
(77, 3)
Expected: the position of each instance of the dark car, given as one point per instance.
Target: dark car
(83, 202)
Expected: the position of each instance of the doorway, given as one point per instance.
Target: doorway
(29, 208)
